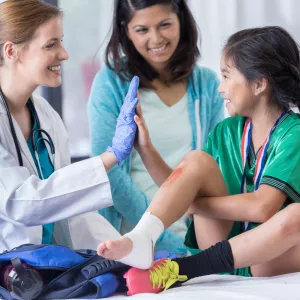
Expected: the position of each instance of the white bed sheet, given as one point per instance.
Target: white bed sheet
(226, 287)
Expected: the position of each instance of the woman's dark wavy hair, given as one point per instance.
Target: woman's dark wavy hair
(268, 52)
(180, 65)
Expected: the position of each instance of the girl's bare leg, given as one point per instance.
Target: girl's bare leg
(210, 231)
(272, 248)
(198, 174)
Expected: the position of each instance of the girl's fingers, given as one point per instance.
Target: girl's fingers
(137, 120)
(139, 109)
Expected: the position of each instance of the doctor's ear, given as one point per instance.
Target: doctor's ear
(260, 86)
(10, 51)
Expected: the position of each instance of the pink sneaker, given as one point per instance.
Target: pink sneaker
(162, 275)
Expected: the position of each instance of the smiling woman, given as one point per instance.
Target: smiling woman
(31, 53)
(36, 178)
(156, 40)
(43, 56)
(161, 35)
(38, 45)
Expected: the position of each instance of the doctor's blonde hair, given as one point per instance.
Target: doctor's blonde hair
(20, 19)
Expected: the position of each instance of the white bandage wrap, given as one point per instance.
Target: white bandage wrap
(143, 237)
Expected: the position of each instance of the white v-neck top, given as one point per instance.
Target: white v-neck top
(171, 134)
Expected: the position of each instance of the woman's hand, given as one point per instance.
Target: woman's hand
(123, 139)
(142, 141)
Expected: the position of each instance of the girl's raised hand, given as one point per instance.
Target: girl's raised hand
(142, 141)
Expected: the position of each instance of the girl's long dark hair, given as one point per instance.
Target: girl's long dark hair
(268, 52)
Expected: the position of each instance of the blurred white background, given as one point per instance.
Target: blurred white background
(87, 25)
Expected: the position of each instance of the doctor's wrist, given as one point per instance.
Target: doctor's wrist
(109, 160)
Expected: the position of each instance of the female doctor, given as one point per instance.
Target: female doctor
(37, 185)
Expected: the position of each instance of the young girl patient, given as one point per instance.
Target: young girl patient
(243, 189)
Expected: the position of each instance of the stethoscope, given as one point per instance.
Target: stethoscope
(34, 143)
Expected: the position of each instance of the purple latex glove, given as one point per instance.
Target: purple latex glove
(123, 139)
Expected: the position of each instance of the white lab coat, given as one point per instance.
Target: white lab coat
(26, 202)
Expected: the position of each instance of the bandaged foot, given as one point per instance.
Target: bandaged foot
(136, 247)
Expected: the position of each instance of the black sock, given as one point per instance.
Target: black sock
(214, 260)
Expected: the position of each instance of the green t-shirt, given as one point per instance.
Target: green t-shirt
(47, 170)
(282, 164)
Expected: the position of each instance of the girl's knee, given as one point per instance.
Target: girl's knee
(198, 160)
(290, 224)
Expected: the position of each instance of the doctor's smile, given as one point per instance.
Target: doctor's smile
(55, 69)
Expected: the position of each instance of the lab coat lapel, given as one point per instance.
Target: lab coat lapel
(21, 140)
(23, 146)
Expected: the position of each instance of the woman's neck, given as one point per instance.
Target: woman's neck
(16, 93)
(158, 67)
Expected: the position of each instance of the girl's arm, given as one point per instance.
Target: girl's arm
(257, 207)
(155, 165)
(281, 179)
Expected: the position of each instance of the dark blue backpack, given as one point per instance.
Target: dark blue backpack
(56, 272)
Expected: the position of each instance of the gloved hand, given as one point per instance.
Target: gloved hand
(123, 139)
